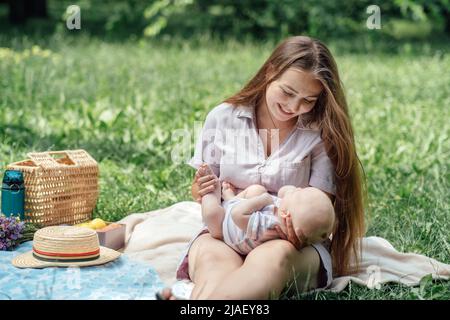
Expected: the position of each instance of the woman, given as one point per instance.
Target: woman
(297, 98)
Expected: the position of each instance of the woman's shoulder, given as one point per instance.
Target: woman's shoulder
(224, 113)
(224, 109)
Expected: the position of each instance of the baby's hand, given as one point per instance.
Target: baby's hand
(226, 185)
(228, 191)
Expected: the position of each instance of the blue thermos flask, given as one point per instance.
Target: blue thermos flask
(13, 194)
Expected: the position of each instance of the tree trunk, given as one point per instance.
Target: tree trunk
(20, 10)
(37, 9)
(17, 11)
(447, 21)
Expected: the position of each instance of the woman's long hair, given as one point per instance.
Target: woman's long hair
(330, 113)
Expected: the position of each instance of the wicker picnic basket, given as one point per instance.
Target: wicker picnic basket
(61, 189)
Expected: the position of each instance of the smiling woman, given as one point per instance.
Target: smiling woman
(296, 93)
(306, 67)
(293, 94)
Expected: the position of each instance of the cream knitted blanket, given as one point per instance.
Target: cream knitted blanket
(160, 236)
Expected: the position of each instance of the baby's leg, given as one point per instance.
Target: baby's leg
(212, 210)
(252, 191)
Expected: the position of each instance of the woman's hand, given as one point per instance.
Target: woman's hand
(291, 236)
(281, 234)
(204, 185)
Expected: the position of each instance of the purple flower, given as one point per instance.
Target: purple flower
(11, 229)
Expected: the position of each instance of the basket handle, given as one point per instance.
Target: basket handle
(45, 159)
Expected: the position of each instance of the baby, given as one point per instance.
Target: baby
(248, 219)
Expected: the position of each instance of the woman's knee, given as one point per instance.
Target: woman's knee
(209, 253)
(275, 254)
(292, 266)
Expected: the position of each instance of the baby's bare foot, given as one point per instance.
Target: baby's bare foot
(165, 294)
(228, 190)
(205, 170)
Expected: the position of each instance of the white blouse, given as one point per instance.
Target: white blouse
(229, 143)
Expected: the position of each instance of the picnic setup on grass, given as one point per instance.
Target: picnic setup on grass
(52, 248)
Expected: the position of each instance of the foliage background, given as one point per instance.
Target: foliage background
(138, 71)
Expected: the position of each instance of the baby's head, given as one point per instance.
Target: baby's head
(312, 213)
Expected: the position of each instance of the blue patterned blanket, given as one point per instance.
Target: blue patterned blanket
(121, 279)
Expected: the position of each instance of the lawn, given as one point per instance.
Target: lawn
(122, 102)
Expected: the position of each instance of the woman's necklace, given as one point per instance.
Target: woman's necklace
(273, 122)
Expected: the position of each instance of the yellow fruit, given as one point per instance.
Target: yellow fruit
(97, 224)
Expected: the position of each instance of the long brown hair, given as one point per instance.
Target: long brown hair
(330, 113)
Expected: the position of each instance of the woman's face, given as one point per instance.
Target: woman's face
(295, 92)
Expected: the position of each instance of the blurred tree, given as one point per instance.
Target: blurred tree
(278, 18)
(259, 19)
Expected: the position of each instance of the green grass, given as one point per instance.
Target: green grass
(122, 101)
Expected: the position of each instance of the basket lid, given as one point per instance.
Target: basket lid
(46, 160)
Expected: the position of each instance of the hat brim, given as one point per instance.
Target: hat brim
(27, 260)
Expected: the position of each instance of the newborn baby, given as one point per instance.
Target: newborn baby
(249, 218)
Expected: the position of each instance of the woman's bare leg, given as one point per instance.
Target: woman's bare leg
(268, 269)
(210, 261)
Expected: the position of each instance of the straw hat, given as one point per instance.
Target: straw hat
(65, 246)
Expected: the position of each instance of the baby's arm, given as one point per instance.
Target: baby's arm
(242, 211)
